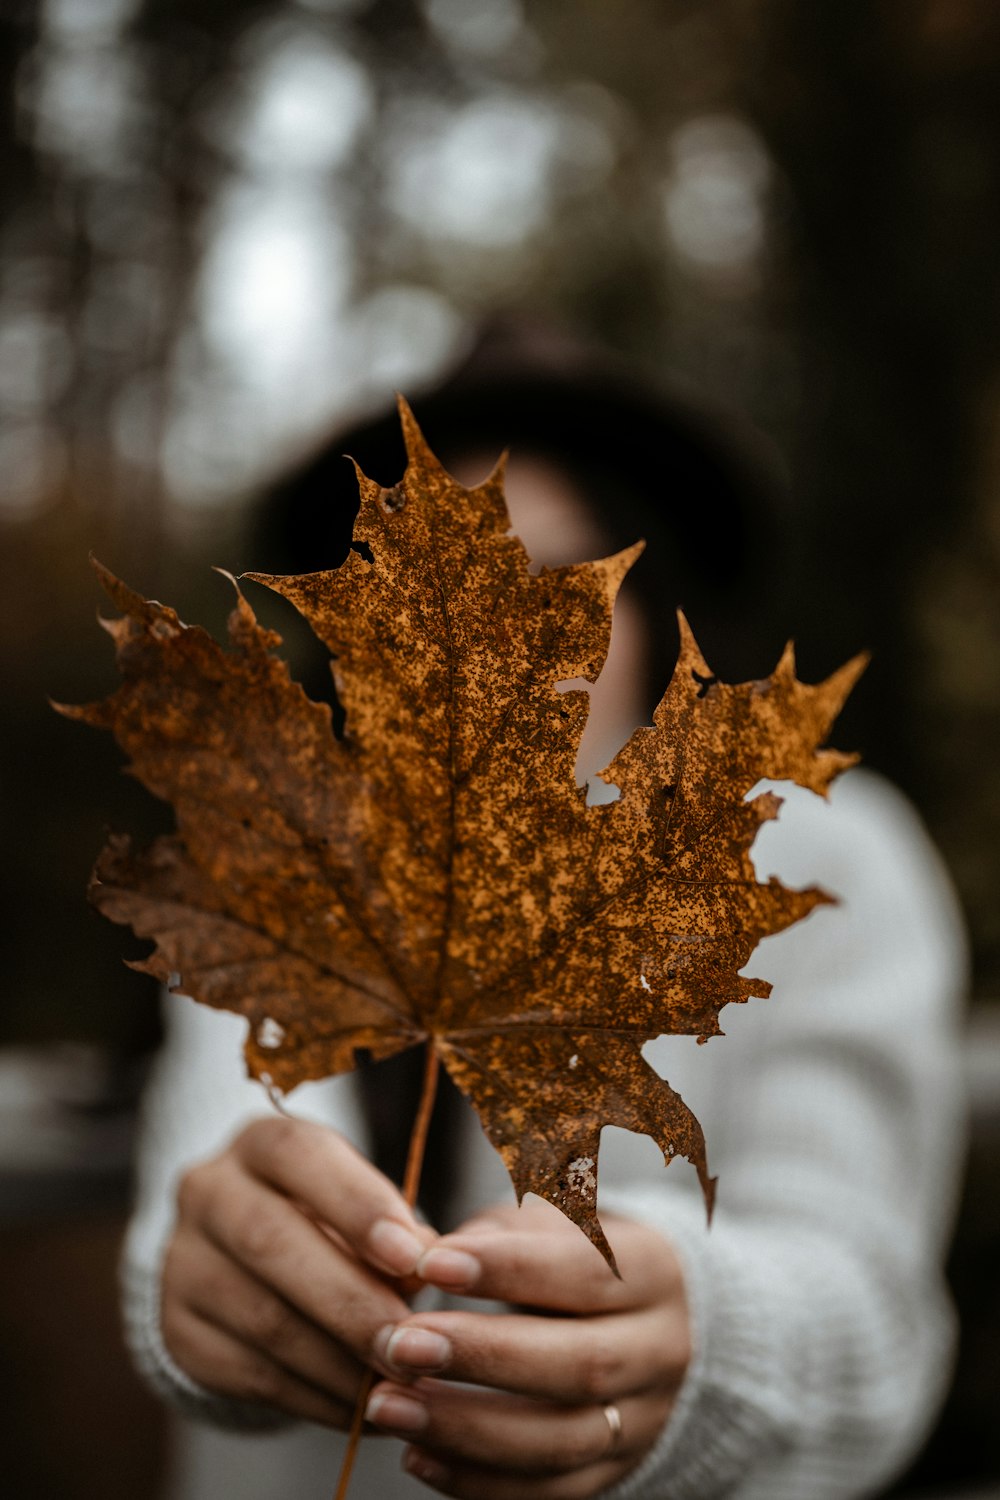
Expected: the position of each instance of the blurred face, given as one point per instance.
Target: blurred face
(556, 527)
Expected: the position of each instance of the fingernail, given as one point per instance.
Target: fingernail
(398, 1412)
(454, 1269)
(417, 1349)
(422, 1467)
(394, 1247)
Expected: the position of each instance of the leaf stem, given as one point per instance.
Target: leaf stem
(411, 1186)
(418, 1135)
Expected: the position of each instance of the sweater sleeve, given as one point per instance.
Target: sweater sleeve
(823, 1334)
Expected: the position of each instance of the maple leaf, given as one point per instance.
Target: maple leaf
(436, 876)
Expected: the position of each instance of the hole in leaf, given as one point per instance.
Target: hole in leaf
(270, 1033)
(393, 500)
(363, 550)
(704, 683)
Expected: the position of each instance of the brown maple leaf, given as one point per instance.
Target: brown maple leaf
(436, 876)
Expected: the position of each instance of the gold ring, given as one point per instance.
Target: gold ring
(614, 1420)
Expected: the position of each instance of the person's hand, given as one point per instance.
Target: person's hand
(290, 1252)
(558, 1407)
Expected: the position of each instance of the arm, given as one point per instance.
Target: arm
(823, 1328)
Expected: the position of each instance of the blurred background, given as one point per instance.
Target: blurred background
(229, 228)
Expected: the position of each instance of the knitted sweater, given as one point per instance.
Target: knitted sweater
(833, 1117)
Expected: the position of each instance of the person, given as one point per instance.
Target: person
(797, 1347)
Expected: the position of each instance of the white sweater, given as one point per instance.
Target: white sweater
(833, 1116)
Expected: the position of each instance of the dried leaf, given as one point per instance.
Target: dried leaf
(436, 875)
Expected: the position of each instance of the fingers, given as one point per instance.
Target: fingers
(534, 1257)
(278, 1274)
(486, 1429)
(269, 1237)
(467, 1482)
(628, 1334)
(202, 1284)
(533, 1421)
(321, 1170)
(560, 1359)
(224, 1365)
